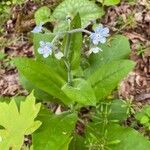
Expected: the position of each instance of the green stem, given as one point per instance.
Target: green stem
(66, 60)
(72, 31)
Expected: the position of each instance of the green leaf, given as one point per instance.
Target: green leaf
(38, 93)
(106, 78)
(76, 44)
(77, 143)
(118, 110)
(118, 48)
(42, 15)
(109, 2)
(88, 11)
(80, 92)
(144, 115)
(42, 76)
(115, 137)
(55, 132)
(129, 138)
(17, 123)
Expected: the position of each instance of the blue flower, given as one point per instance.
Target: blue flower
(38, 28)
(100, 34)
(45, 49)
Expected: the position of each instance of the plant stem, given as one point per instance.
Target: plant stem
(66, 60)
(73, 31)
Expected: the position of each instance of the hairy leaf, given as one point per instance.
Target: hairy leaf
(42, 15)
(88, 11)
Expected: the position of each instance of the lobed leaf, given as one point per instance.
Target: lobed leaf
(17, 122)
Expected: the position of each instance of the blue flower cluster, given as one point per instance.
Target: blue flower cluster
(98, 36)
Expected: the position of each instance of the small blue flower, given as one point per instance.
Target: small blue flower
(38, 28)
(100, 35)
(45, 49)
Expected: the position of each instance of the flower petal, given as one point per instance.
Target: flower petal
(42, 44)
(95, 41)
(45, 55)
(95, 49)
(37, 29)
(59, 55)
(40, 50)
(103, 40)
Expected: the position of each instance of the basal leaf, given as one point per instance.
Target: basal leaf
(88, 11)
(55, 131)
(106, 78)
(17, 123)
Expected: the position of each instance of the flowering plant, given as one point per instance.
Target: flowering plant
(78, 69)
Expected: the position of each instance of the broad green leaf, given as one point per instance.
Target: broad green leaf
(38, 93)
(118, 48)
(17, 122)
(42, 15)
(80, 92)
(109, 2)
(42, 76)
(88, 11)
(76, 44)
(106, 78)
(55, 132)
(129, 139)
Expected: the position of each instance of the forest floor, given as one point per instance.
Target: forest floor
(130, 19)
